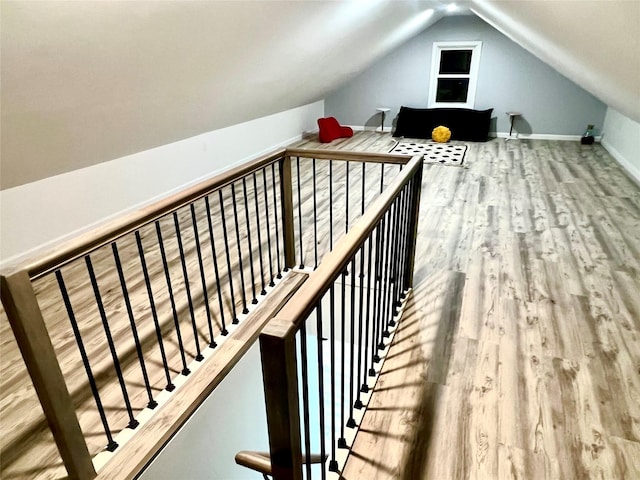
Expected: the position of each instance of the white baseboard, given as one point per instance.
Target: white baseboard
(363, 128)
(521, 136)
(632, 170)
(539, 136)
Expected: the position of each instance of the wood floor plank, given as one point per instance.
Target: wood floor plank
(520, 355)
(542, 381)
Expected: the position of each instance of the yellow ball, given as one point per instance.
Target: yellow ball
(441, 134)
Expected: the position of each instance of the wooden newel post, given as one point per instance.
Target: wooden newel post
(416, 187)
(35, 345)
(279, 370)
(286, 194)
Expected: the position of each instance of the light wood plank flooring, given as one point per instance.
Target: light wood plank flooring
(519, 353)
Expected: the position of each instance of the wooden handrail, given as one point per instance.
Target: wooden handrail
(261, 461)
(297, 310)
(110, 231)
(322, 154)
(258, 461)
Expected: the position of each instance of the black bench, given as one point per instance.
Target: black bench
(464, 123)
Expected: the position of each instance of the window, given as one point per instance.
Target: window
(454, 74)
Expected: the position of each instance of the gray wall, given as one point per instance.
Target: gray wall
(510, 79)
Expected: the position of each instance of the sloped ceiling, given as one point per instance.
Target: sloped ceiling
(86, 82)
(594, 43)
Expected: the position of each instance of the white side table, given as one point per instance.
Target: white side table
(383, 111)
(512, 118)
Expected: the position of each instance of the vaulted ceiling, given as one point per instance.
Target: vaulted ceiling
(86, 82)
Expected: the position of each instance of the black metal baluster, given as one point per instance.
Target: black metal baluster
(342, 441)
(170, 386)
(228, 257)
(283, 193)
(362, 194)
(333, 463)
(395, 232)
(254, 300)
(351, 423)
(266, 209)
(377, 329)
(365, 386)
(111, 444)
(305, 396)
(397, 256)
(386, 278)
(255, 198)
(330, 205)
(185, 370)
(214, 255)
(414, 197)
(133, 423)
(346, 199)
(323, 449)
(299, 212)
(410, 203)
(134, 330)
(183, 262)
(205, 294)
(402, 247)
(315, 216)
(388, 300)
(275, 213)
(397, 247)
(382, 177)
(245, 310)
(358, 402)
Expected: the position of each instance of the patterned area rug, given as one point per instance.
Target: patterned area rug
(443, 153)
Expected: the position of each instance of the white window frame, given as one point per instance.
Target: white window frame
(438, 48)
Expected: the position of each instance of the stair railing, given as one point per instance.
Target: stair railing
(199, 259)
(321, 354)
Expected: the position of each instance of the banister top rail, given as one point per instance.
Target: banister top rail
(303, 302)
(39, 265)
(390, 158)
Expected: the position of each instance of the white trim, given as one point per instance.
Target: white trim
(632, 170)
(438, 47)
(539, 136)
(365, 128)
(514, 136)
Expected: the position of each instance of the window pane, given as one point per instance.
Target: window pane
(455, 61)
(452, 90)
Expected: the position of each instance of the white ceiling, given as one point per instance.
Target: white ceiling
(86, 82)
(595, 43)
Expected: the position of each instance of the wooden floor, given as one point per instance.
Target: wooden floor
(519, 352)
(26, 444)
